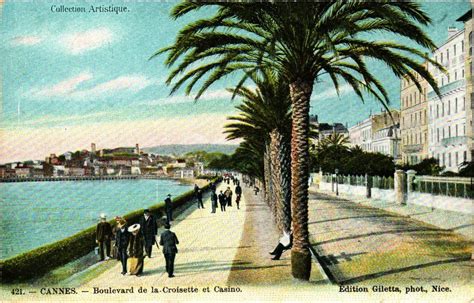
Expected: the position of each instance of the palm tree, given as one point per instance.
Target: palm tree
(265, 116)
(304, 42)
(334, 139)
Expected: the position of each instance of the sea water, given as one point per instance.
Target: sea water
(38, 213)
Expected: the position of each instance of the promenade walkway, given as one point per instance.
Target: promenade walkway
(361, 244)
(208, 244)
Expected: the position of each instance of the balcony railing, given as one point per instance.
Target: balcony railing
(454, 140)
(448, 87)
(413, 148)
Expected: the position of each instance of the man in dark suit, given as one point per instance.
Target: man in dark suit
(103, 237)
(169, 240)
(222, 201)
(238, 192)
(121, 242)
(213, 201)
(169, 209)
(148, 229)
(199, 198)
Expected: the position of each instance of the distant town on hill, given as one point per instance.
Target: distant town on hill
(181, 149)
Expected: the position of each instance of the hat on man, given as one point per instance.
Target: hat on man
(134, 227)
(121, 222)
(169, 195)
(146, 211)
(102, 216)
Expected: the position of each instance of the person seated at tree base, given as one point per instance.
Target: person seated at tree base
(285, 243)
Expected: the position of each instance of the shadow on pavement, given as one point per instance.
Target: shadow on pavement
(400, 270)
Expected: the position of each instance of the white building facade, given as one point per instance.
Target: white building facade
(447, 129)
(387, 141)
(361, 135)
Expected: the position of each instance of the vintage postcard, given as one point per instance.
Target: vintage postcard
(283, 151)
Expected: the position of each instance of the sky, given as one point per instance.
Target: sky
(70, 79)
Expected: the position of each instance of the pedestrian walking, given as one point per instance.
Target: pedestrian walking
(103, 237)
(196, 188)
(212, 187)
(213, 201)
(135, 250)
(228, 196)
(238, 193)
(169, 209)
(169, 240)
(256, 190)
(121, 243)
(199, 199)
(222, 201)
(148, 229)
(114, 252)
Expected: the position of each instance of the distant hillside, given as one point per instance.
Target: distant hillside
(181, 149)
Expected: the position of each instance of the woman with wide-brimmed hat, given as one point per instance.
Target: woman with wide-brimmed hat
(135, 250)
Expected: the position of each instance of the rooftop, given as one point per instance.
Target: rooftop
(466, 16)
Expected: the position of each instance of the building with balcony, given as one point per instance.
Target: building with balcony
(413, 119)
(448, 121)
(378, 133)
(387, 141)
(469, 71)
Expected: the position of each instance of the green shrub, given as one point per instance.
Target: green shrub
(45, 258)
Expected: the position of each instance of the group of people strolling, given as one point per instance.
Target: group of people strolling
(225, 198)
(134, 243)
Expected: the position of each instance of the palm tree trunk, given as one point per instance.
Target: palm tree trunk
(281, 177)
(300, 93)
(267, 177)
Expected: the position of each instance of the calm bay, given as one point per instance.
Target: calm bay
(38, 213)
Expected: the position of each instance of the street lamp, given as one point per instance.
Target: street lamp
(337, 183)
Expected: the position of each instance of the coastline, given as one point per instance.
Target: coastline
(182, 201)
(82, 178)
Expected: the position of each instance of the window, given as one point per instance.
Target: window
(456, 158)
(437, 110)
(463, 103)
(454, 50)
(442, 109)
(443, 160)
(449, 131)
(437, 133)
(456, 129)
(449, 107)
(455, 75)
(465, 156)
(462, 76)
(441, 57)
(443, 134)
(455, 105)
(470, 43)
(447, 55)
(462, 46)
(449, 159)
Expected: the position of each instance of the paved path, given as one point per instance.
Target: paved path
(208, 244)
(364, 244)
(252, 264)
